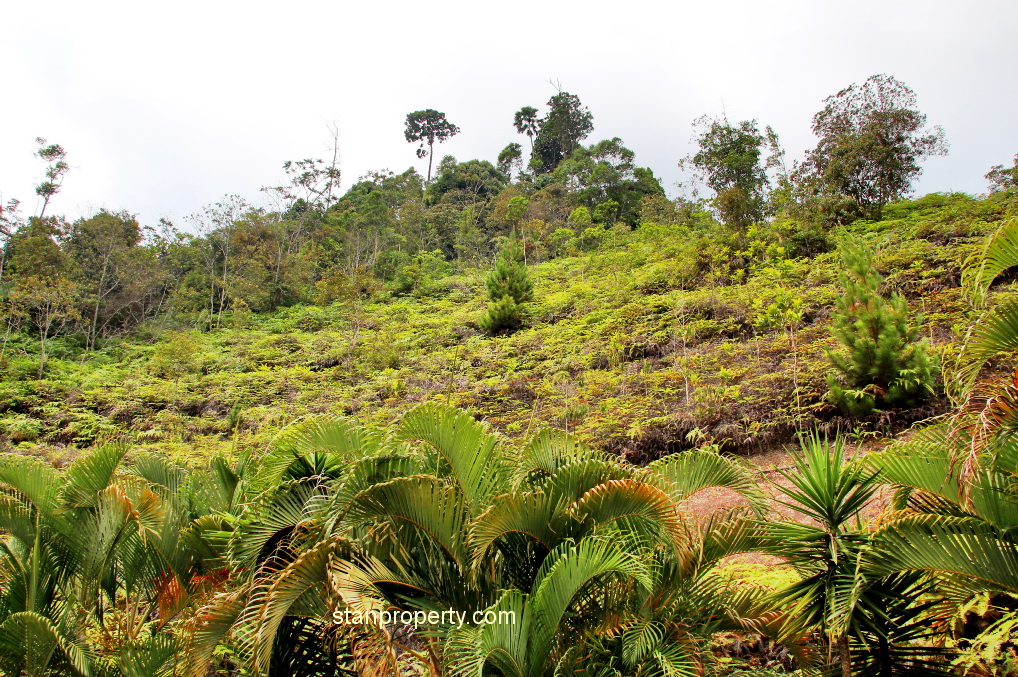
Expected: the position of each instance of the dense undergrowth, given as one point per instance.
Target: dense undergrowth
(658, 339)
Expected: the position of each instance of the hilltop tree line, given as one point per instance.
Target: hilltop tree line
(103, 275)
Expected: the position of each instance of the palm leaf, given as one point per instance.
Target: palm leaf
(998, 253)
(475, 651)
(967, 548)
(547, 452)
(37, 481)
(564, 574)
(308, 573)
(688, 472)
(31, 645)
(642, 508)
(90, 474)
(534, 515)
(432, 508)
(472, 455)
(995, 332)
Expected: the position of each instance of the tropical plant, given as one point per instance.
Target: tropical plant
(97, 567)
(874, 620)
(955, 508)
(428, 126)
(871, 141)
(554, 545)
(729, 158)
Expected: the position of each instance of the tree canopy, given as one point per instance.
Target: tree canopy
(428, 126)
(872, 141)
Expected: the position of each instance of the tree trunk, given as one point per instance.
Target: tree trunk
(42, 349)
(431, 156)
(95, 312)
(845, 658)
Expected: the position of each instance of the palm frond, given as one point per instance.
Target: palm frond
(533, 515)
(824, 487)
(34, 479)
(645, 509)
(995, 332)
(90, 474)
(564, 574)
(688, 472)
(967, 548)
(30, 644)
(545, 453)
(472, 456)
(434, 509)
(998, 252)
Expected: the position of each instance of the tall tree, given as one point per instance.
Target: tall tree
(1003, 178)
(428, 126)
(56, 167)
(604, 173)
(872, 141)
(100, 246)
(217, 224)
(729, 159)
(42, 282)
(10, 223)
(511, 157)
(567, 123)
(525, 122)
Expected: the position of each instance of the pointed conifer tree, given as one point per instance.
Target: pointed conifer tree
(886, 365)
(509, 288)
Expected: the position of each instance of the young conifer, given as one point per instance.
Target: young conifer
(885, 365)
(509, 287)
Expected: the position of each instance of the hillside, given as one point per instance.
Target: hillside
(649, 341)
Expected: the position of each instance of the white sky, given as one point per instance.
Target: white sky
(165, 107)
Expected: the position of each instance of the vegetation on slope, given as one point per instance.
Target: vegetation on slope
(661, 338)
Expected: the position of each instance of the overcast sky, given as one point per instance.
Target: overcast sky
(165, 107)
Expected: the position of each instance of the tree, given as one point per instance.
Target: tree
(525, 122)
(509, 287)
(51, 303)
(886, 366)
(10, 222)
(101, 247)
(510, 158)
(428, 126)
(217, 224)
(604, 172)
(1003, 178)
(477, 180)
(729, 158)
(312, 181)
(56, 167)
(42, 283)
(560, 132)
(872, 141)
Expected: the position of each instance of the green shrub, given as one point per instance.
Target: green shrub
(21, 428)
